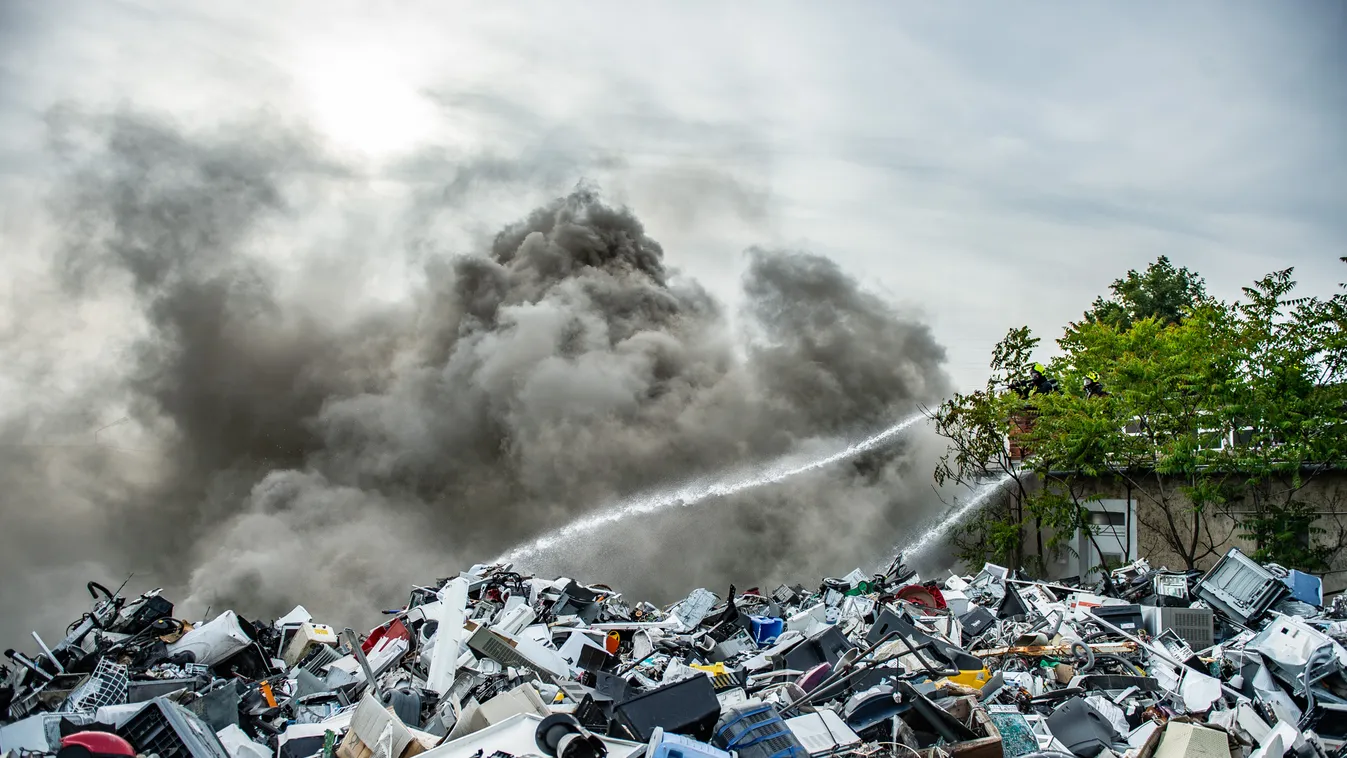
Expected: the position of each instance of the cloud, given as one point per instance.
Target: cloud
(279, 271)
(292, 455)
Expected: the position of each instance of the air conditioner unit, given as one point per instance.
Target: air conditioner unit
(1195, 626)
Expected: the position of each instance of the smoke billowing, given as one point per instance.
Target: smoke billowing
(292, 441)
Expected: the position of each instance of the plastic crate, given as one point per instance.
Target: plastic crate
(677, 746)
(168, 730)
(108, 685)
(758, 731)
(1239, 587)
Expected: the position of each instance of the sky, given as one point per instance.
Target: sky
(976, 167)
(988, 166)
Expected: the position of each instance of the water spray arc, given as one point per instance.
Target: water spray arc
(700, 491)
(979, 499)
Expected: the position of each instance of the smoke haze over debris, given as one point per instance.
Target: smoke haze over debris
(286, 435)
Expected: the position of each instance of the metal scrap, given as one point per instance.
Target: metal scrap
(493, 662)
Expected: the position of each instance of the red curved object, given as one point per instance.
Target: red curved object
(929, 597)
(100, 743)
(811, 679)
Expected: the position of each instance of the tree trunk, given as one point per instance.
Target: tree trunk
(1038, 537)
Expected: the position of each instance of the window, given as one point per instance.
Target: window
(1210, 439)
(1107, 518)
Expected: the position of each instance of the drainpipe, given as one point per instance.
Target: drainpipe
(1128, 525)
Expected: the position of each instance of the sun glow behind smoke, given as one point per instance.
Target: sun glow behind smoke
(363, 102)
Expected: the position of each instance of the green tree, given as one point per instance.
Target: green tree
(1162, 292)
(1222, 417)
(1218, 414)
(1288, 418)
(977, 426)
(1158, 431)
(981, 427)
(1290, 535)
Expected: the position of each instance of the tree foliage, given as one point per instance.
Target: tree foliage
(977, 425)
(1162, 292)
(1217, 414)
(1289, 535)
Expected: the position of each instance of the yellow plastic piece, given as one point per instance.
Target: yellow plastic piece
(716, 669)
(974, 678)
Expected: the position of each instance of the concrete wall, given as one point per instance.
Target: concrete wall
(1326, 491)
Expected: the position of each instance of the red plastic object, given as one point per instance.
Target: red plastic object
(812, 678)
(917, 594)
(99, 743)
(394, 630)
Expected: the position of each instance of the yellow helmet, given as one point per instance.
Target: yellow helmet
(1093, 376)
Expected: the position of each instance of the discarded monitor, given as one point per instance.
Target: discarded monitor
(1240, 588)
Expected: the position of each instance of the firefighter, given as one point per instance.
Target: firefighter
(1093, 387)
(1039, 382)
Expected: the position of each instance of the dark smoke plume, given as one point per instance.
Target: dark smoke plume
(299, 444)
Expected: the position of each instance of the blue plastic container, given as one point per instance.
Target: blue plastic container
(1307, 588)
(766, 629)
(665, 745)
(757, 731)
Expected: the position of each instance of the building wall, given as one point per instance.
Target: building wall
(1116, 539)
(1326, 491)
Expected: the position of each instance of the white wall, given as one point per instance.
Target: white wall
(1116, 535)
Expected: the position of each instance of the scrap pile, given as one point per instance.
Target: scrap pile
(1242, 662)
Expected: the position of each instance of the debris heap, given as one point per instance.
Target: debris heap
(1244, 661)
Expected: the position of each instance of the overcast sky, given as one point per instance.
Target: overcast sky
(990, 164)
(983, 165)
